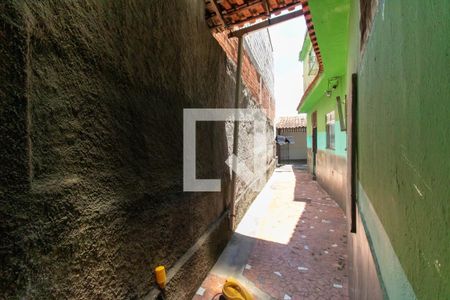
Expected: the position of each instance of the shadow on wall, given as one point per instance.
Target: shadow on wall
(99, 202)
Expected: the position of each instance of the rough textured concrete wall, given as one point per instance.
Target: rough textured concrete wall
(403, 147)
(14, 105)
(91, 122)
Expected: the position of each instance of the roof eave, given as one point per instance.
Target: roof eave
(307, 99)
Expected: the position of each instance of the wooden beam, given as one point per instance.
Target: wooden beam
(242, 8)
(291, 6)
(266, 7)
(354, 153)
(342, 120)
(266, 23)
(237, 104)
(216, 10)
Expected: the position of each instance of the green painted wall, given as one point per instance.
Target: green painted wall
(404, 148)
(326, 105)
(364, 276)
(330, 163)
(330, 18)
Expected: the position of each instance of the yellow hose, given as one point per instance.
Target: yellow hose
(160, 274)
(234, 290)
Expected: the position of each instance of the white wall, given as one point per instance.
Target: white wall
(297, 150)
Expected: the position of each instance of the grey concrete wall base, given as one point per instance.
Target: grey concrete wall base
(331, 173)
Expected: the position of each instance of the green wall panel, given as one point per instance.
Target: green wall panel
(340, 146)
(331, 28)
(404, 131)
(324, 106)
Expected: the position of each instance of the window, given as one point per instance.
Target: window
(330, 129)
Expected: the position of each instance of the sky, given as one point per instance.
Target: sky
(287, 39)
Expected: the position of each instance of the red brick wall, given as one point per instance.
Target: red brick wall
(250, 76)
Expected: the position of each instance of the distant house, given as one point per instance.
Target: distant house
(294, 129)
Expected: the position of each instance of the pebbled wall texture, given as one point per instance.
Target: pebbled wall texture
(91, 112)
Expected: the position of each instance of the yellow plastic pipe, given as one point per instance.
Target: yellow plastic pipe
(160, 274)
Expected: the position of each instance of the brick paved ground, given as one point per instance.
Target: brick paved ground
(298, 243)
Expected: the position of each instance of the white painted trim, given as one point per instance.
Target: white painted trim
(393, 277)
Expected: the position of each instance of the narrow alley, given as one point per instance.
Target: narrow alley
(291, 244)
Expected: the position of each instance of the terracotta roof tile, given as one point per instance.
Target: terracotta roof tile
(229, 13)
(292, 121)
